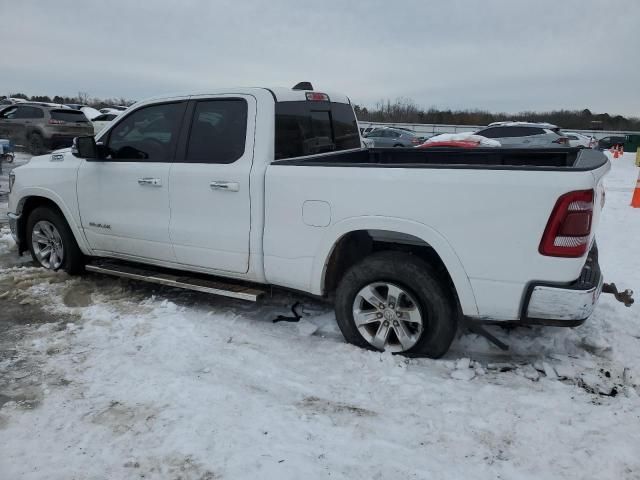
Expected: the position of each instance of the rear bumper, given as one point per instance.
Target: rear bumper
(567, 304)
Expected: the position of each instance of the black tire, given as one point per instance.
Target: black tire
(36, 144)
(434, 300)
(398, 145)
(73, 260)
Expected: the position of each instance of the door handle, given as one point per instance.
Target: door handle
(228, 186)
(154, 182)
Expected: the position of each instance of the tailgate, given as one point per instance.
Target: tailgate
(598, 203)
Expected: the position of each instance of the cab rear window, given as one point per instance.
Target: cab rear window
(68, 115)
(307, 128)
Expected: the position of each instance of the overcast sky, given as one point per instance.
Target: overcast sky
(499, 55)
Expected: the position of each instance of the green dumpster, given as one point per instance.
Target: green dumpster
(631, 143)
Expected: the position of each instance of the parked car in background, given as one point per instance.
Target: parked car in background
(42, 127)
(611, 141)
(525, 135)
(113, 109)
(579, 140)
(75, 106)
(11, 101)
(91, 112)
(393, 137)
(102, 121)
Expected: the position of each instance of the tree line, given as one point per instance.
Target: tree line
(405, 110)
(82, 98)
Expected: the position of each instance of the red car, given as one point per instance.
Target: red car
(451, 143)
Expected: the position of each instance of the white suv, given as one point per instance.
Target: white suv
(525, 134)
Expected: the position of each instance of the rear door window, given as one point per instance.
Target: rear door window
(68, 115)
(218, 131)
(528, 131)
(510, 132)
(495, 132)
(376, 133)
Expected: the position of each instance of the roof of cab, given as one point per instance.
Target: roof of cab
(283, 94)
(280, 94)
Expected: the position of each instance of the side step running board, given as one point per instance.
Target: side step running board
(180, 281)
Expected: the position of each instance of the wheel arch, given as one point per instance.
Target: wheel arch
(31, 130)
(353, 239)
(46, 198)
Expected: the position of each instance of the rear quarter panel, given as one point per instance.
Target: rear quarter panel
(485, 224)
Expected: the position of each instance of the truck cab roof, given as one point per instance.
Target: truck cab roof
(280, 94)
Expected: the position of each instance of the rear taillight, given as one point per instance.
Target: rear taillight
(53, 121)
(562, 141)
(569, 228)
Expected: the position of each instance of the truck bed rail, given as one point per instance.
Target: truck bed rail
(567, 159)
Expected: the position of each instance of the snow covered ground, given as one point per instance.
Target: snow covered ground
(102, 378)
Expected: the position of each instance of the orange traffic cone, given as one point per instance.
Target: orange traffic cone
(635, 200)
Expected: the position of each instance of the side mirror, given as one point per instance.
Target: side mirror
(85, 147)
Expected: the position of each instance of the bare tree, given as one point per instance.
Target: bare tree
(83, 98)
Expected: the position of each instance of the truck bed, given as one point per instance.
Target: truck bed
(483, 211)
(571, 159)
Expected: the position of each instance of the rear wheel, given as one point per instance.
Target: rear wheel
(51, 241)
(395, 302)
(36, 144)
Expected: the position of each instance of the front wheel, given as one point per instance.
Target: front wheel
(51, 241)
(393, 301)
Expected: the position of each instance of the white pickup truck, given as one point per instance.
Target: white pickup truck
(271, 187)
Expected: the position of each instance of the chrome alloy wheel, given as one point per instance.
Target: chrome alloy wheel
(388, 317)
(47, 245)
